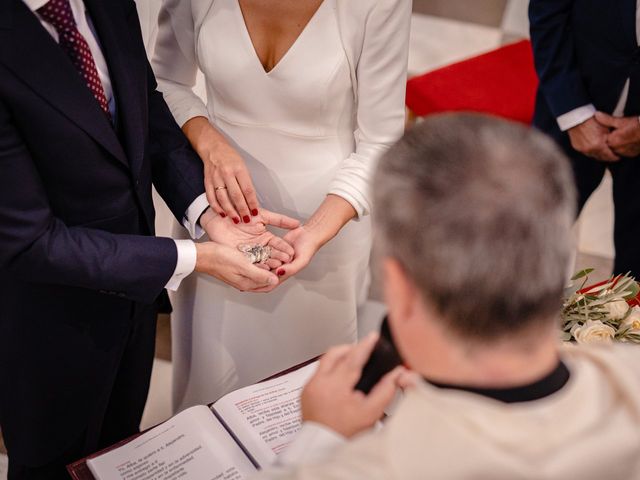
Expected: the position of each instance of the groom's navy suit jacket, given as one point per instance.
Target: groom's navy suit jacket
(584, 50)
(78, 259)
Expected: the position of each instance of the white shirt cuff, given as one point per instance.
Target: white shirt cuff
(195, 210)
(187, 255)
(314, 442)
(575, 117)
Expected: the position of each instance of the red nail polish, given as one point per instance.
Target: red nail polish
(246, 219)
(236, 220)
(254, 212)
(281, 273)
(223, 215)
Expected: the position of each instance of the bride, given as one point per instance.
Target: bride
(303, 96)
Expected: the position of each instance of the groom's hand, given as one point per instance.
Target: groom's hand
(232, 267)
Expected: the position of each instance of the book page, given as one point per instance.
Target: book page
(265, 417)
(192, 445)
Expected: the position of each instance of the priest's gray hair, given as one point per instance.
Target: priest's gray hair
(478, 211)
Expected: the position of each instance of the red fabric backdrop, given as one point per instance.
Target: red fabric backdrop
(502, 82)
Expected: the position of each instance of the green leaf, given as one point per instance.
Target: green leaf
(634, 289)
(582, 274)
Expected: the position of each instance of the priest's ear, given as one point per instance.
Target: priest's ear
(401, 294)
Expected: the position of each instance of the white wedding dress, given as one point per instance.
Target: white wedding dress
(294, 126)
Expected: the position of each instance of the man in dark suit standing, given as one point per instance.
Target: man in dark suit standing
(83, 136)
(588, 60)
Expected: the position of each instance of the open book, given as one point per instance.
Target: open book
(242, 432)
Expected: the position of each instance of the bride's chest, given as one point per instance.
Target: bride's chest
(312, 69)
(274, 26)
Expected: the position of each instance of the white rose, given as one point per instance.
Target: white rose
(632, 322)
(593, 332)
(617, 310)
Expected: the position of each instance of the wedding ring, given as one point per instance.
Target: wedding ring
(219, 188)
(256, 253)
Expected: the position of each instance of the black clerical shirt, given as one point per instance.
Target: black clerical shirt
(550, 384)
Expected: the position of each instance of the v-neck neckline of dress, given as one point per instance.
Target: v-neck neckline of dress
(252, 47)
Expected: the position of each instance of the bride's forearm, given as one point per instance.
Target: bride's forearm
(333, 214)
(203, 136)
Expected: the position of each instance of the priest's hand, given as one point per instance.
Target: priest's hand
(330, 399)
(624, 138)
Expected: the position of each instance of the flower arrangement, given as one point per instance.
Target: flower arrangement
(603, 312)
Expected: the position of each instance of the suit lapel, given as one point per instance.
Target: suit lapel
(127, 73)
(28, 50)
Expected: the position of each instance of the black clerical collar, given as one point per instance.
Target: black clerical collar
(542, 388)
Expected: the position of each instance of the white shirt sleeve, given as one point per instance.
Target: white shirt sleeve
(314, 442)
(187, 254)
(186, 264)
(195, 210)
(575, 117)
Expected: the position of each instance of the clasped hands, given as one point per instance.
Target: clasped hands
(223, 259)
(607, 138)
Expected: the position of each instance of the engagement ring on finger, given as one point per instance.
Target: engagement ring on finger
(256, 253)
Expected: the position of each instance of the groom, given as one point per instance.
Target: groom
(83, 136)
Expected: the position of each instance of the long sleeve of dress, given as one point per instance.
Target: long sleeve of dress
(174, 59)
(381, 74)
